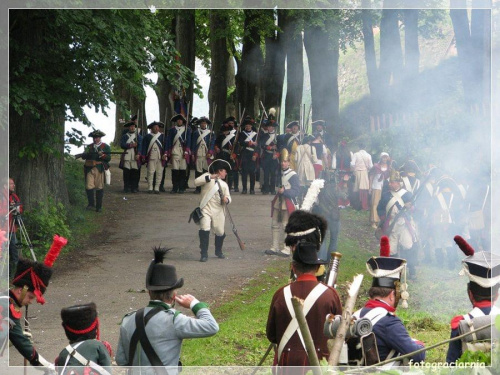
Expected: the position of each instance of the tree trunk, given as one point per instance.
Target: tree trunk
(185, 43)
(460, 21)
(40, 177)
(412, 53)
(294, 67)
(219, 24)
(248, 76)
(164, 90)
(391, 54)
(274, 68)
(481, 51)
(36, 141)
(369, 44)
(322, 47)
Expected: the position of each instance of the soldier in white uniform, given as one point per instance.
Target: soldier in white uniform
(202, 147)
(179, 152)
(153, 149)
(214, 195)
(160, 325)
(130, 162)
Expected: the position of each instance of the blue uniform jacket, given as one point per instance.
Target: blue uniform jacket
(392, 334)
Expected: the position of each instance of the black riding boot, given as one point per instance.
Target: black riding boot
(219, 241)
(204, 240)
(175, 182)
(90, 198)
(181, 180)
(98, 195)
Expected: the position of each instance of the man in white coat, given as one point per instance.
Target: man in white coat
(214, 195)
(361, 163)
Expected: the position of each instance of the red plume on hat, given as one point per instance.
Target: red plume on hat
(385, 247)
(57, 244)
(464, 246)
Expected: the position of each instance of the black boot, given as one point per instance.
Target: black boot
(175, 186)
(204, 238)
(98, 195)
(181, 180)
(198, 188)
(219, 241)
(90, 198)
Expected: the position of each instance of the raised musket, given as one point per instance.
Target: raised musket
(333, 269)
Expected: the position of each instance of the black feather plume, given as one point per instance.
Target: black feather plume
(160, 253)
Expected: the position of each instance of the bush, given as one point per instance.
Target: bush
(43, 222)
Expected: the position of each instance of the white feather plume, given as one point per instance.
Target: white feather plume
(272, 111)
(312, 194)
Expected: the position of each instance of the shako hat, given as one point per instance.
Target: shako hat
(35, 276)
(204, 119)
(482, 268)
(292, 124)
(219, 164)
(80, 320)
(388, 272)
(96, 134)
(128, 124)
(162, 276)
(178, 117)
(160, 124)
(318, 122)
(307, 253)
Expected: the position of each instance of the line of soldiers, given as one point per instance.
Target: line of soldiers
(420, 213)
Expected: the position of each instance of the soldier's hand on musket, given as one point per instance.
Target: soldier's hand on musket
(137, 157)
(225, 199)
(184, 300)
(408, 205)
(164, 157)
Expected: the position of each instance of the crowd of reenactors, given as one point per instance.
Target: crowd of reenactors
(405, 205)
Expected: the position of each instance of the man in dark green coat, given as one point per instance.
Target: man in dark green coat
(97, 156)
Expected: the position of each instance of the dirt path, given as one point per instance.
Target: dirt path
(110, 269)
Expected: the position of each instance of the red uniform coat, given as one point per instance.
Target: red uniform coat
(279, 317)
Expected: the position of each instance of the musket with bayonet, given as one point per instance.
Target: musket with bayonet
(237, 133)
(86, 154)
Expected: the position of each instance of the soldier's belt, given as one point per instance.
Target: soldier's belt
(270, 152)
(227, 151)
(250, 148)
(92, 163)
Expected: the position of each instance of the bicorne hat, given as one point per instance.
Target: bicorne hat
(128, 124)
(219, 164)
(204, 119)
(482, 268)
(318, 122)
(178, 117)
(96, 134)
(160, 124)
(292, 124)
(230, 118)
(162, 276)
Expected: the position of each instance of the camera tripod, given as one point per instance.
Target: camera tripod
(17, 219)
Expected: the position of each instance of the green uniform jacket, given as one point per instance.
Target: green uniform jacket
(92, 350)
(91, 154)
(16, 335)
